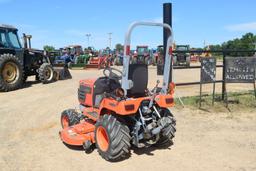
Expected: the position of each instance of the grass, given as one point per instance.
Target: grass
(243, 101)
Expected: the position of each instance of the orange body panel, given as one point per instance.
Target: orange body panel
(165, 101)
(120, 107)
(89, 96)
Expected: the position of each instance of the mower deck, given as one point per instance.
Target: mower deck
(78, 134)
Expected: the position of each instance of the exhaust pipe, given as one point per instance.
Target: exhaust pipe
(27, 41)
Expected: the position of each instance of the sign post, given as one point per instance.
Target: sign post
(240, 70)
(208, 75)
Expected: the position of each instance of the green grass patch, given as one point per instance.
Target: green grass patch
(243, 101)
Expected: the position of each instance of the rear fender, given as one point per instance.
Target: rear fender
(165, 101)
(124, 107)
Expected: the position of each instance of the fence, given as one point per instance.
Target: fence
(224, 53)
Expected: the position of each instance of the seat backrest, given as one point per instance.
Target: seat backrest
(138, 73)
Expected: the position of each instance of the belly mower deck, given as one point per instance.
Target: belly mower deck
(78, 134)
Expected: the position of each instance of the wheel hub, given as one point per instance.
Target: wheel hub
(10, 72)
(48, 73)
(102, 138)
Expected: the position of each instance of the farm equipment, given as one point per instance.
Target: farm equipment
(17, 63)
(118, 57)
(141, 56)
(181, 58)
(103, 59)
(116, 115)
(69, 55)
(158, 56)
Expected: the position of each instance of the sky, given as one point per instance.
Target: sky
(64, 22)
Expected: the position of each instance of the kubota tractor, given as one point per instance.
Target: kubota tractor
(118, 110)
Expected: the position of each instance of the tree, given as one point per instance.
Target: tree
(119, 47)
(49, 48)
(247, 42)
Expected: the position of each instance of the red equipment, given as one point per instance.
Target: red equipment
(101, 61)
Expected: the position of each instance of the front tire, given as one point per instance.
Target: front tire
(11, 72)
(68, 118)
(112, 138)
(46, 73)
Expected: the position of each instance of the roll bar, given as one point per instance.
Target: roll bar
(127, 84)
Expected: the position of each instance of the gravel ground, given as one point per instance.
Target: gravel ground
(30, 122)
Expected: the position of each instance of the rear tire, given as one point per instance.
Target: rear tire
(11, 72)
(112, 138)
(46, 73)
(168, 133)
(69, 117)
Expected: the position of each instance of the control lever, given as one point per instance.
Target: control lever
(153, 95)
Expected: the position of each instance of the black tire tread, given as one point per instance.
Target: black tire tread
(168, 133)
(41, 73)
(119, 135)
(72, 115)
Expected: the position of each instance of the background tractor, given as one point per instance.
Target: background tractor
(118, 56)
(181, 58)
(17, 63)
(142, 55)
(118, 110)
(104, 58)
(158, 56)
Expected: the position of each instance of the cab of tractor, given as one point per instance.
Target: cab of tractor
(118, 110)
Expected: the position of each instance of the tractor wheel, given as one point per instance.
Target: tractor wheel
(146, 61)
(11, 72)
(112, 138)
(69, 117)
(46, 73)
(168, 133)
(116, 61)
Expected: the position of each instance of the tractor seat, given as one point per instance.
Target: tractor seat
(138, 73)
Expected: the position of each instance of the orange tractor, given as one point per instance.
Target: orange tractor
(118, 110)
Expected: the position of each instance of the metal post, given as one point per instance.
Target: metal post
(213, 93)
(167, 18)
(200, 98)
(223, 76)
(254, 85)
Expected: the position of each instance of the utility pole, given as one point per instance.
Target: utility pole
(110, 39)
(88, 38)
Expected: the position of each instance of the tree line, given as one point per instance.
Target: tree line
(246, 42)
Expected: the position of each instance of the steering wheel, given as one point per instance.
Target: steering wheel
(108, 72)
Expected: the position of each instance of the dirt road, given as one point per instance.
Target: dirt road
(29, 139)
